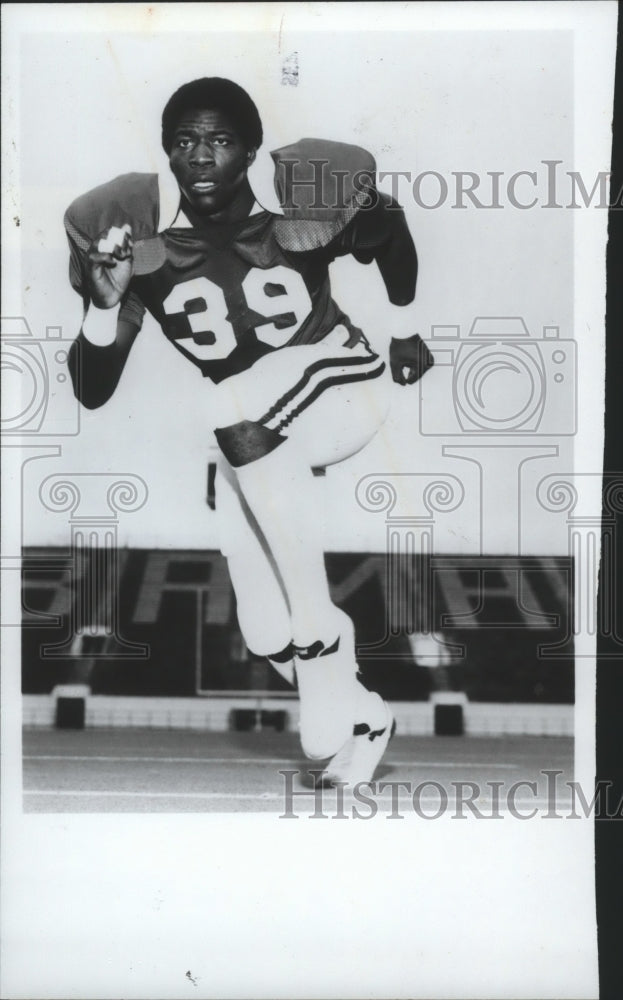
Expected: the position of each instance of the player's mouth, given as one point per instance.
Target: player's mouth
(203, 187)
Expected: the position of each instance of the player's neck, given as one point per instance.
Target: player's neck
(236, 211)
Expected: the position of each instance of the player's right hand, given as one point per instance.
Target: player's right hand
(109, 266)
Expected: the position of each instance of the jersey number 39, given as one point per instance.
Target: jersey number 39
(279, 294)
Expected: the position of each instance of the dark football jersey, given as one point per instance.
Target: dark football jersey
(227, 294)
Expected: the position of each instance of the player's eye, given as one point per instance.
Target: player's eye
(222, 140)
(183, 142)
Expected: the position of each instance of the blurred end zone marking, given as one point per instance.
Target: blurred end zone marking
(261, 760)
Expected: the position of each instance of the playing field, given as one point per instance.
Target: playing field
(157, 770)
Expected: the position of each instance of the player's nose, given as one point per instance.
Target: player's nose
(202, 154)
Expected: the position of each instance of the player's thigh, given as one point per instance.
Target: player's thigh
(328, 397)
(342, 421)
(236, 528)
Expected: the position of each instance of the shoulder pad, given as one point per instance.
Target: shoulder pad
(129, 198)
(321, 186)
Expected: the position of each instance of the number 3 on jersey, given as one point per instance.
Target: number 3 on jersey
(278, 293)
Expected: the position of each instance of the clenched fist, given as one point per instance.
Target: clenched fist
(409, 359)
(109, 266)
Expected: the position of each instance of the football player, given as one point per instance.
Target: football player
(244, 295)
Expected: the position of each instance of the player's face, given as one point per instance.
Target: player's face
(209, 161)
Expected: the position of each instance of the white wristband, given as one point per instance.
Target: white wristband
(401, 322)
(100, 326)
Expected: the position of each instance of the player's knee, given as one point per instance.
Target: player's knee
(247, 441)
(273, 644)
(266, 629)
(281, 657)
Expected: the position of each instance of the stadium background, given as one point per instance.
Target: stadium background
(176, 626)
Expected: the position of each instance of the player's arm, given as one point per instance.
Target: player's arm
(98, 355)
(377, 231)
(381, 234)
(95, 367)
(101, 237)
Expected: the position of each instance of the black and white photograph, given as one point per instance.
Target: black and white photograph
(304, 511)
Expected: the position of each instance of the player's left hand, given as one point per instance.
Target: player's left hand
(409, 359)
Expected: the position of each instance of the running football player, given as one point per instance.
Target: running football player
(244, 295)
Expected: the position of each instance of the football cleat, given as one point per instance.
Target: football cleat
(361, 754)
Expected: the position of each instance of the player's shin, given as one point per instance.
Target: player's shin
(326, 672)
(279, 491)
(326, 692)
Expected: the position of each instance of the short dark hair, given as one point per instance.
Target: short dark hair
(218, 94)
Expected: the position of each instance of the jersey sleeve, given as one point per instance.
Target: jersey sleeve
(380, 233)
(329, 200)
(130, 198)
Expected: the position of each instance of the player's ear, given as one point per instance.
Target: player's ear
(251, 156)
